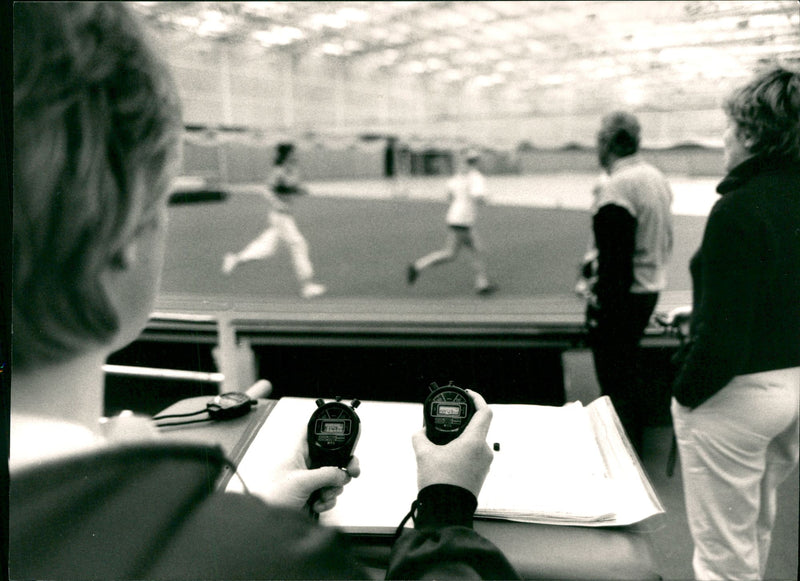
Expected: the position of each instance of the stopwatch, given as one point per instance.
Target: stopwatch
(447, 411)
(333, 432)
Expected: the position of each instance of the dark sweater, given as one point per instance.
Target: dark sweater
(150, 511)
(746, 281)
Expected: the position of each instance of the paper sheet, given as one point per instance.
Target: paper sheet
(552, 466)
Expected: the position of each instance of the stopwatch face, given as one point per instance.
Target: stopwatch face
(332, 426)
(448, 410)
(231, 399)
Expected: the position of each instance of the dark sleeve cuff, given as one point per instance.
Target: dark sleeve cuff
(444, 505)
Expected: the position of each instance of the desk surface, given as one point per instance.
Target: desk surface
(537, 551)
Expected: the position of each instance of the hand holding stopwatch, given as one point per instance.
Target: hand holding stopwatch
(333, 432)
(446, 412)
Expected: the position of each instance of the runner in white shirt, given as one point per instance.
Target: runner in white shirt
(466, 190)
(284, 185)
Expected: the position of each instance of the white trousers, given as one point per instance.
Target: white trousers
(281, 227)
(735, 450)
(458, 238)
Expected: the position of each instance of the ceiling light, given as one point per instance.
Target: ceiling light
(488, 80)
(535, 46)
(434, 64)
(505, 66)
(416, 67)
(279, 35)
(322, 20)
(349, 14)
(187, 21)
(452, 75)
(214, 24)
(332, 49)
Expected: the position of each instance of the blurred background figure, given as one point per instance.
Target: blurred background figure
(735, 406)
(466, 190)
(397, 167)
(632, 225)
(587, 268)
(283, 186)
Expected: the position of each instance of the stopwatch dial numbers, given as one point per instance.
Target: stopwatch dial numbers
(450, 396)
(332, 413)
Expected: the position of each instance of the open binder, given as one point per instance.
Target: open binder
(567, 465)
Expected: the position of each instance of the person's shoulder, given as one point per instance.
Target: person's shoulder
(635, 177)
(736, 211)
(251, 539)
(633, 167)
(618, 190)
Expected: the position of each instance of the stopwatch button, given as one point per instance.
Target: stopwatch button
(320, 402)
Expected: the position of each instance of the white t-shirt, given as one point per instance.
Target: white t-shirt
(646, 194)
(466, 189)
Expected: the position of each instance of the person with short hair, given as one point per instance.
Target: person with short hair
(466, 190)
(283, 186)
(97, 132)
(736, 403)
(632, 227)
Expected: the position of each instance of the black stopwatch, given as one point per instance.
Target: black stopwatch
(333, 432)
(447, 411)
(229, 405)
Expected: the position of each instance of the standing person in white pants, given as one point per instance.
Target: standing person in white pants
(284, 184)
(465, 190)
(736, 404)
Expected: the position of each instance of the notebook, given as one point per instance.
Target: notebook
(564, 465)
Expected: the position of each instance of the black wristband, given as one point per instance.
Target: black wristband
(444, 505)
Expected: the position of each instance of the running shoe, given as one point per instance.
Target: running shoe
(312, 289)
(228, 263)
(411, 274)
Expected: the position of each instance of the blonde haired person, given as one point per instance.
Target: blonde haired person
(735, 405)
(97, 126)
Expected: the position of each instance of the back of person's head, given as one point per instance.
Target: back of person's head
(766, 112)
(282, 152)
(96, 136)
(619, 135)
(472, 157)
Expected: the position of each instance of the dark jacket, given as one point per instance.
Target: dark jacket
(746, 281)
(151, 512)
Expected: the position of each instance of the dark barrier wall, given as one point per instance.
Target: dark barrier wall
(689, 161)
(240, 162)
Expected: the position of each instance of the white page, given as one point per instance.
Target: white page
(637, 499)
(381, 496)
(549, 467)
(548, 464)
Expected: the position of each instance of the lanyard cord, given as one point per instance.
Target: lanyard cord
(186, 415)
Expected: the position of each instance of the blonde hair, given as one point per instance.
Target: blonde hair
(766, 112)
(96, 128)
